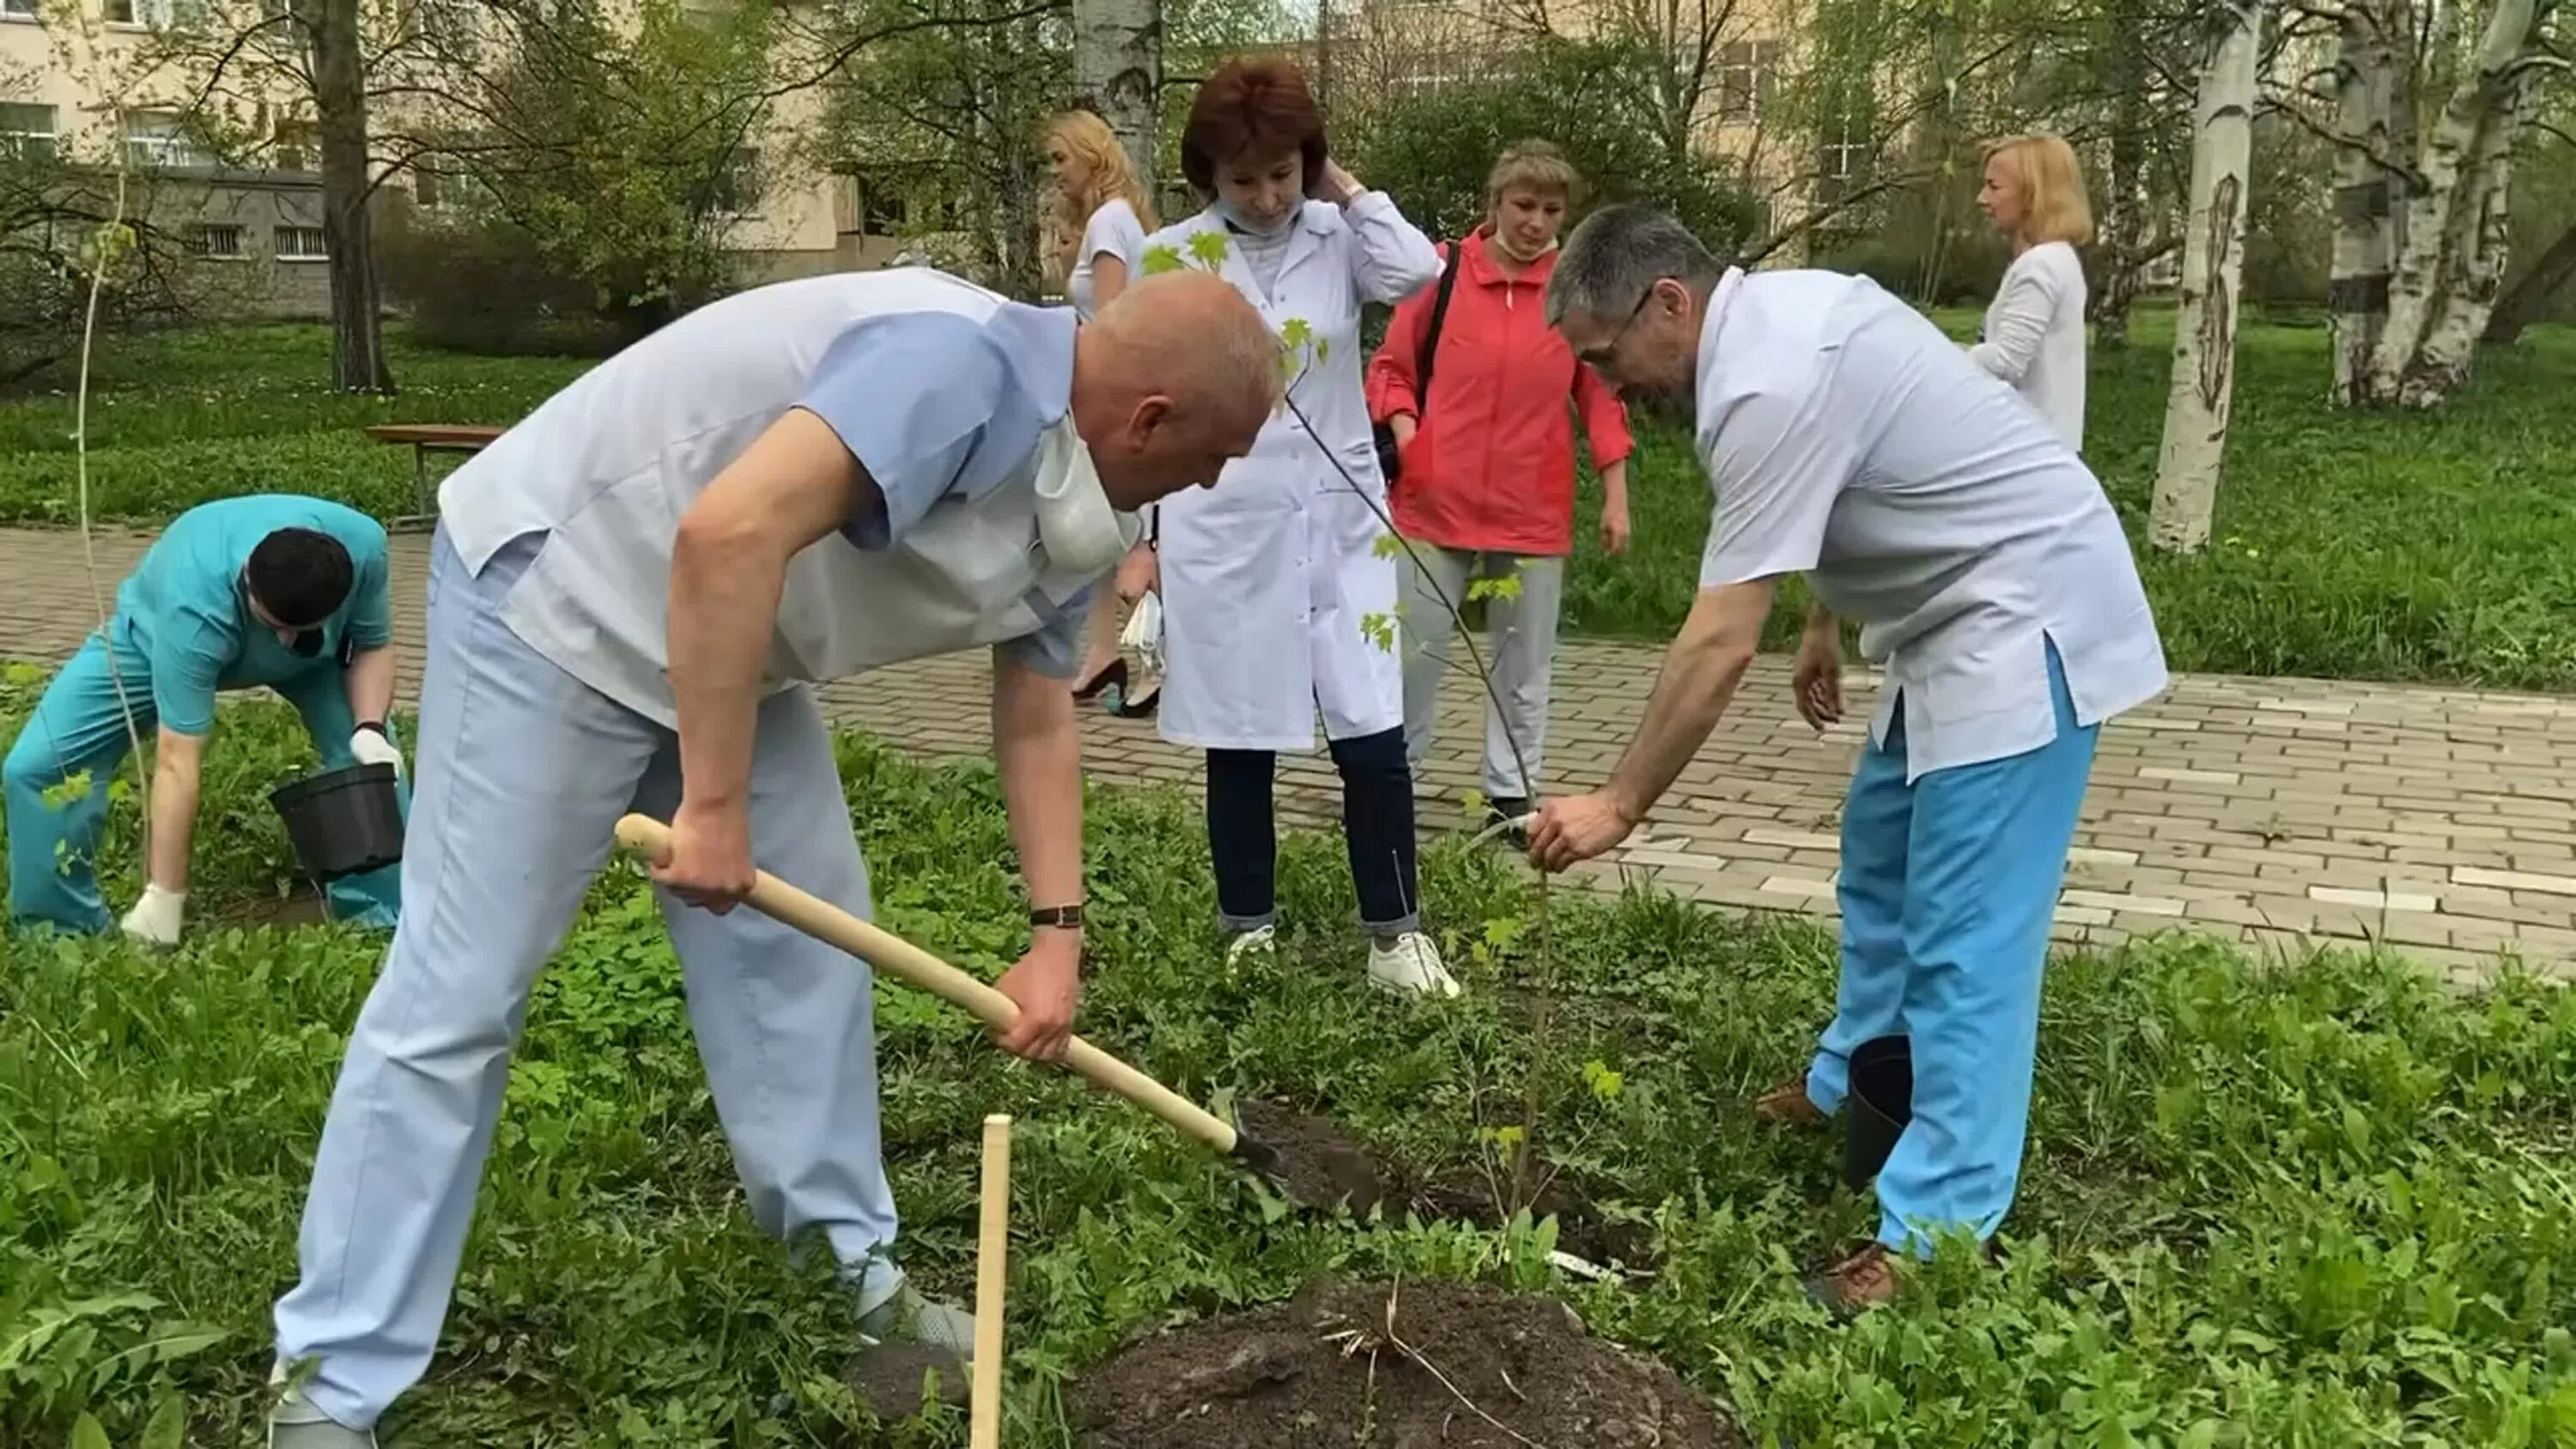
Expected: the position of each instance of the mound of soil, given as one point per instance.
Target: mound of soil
(1314, 1163)
(1454, 1368)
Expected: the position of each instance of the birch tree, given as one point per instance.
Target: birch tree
(1118, 69)
(2204, 364)
(2422, 226)
(2451, 264)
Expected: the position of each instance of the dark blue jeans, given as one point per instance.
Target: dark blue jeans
(1377, 827)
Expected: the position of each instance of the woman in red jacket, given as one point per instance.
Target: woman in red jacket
(1484, 482)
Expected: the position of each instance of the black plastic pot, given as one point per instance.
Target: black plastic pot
(343, 822)
(1881, 1102)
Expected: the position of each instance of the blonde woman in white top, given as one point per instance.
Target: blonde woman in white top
(2034, 331)
(1098, 197)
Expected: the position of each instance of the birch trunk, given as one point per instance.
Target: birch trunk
(2451, 261)
(2124, 245)
(2373, 84)
(2530, 296)
(2213, 258)
(348, 235)
(1118, 66)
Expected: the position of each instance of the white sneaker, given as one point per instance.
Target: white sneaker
(1410, 964)
(295, 1424)
(1261, 939)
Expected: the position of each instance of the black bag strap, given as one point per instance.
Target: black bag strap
(1430, 350)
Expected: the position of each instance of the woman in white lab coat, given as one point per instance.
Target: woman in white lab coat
(1278, 603)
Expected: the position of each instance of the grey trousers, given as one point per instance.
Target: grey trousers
(1520, 649)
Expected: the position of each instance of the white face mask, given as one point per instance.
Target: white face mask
(1078, 529)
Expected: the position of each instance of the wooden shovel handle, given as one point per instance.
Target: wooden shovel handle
(910, 964)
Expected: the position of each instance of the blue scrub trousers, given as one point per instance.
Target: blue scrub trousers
(524, 772)
(80, 726)
(1948, 887)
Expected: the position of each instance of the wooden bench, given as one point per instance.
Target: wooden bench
(425, 439)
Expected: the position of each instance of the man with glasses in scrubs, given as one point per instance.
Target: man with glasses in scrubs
(288, 592)
(1847, 439)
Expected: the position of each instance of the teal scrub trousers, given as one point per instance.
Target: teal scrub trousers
(1948, 887)
(78, 726)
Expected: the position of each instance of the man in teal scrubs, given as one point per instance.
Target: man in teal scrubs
(276, 590)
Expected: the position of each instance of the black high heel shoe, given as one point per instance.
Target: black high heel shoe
(1114, 672)
(1140, 707)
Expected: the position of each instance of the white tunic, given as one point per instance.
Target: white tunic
(1848, 439)
(1113, 231)
(2034, 335)
(954, 400)
(1277, 600)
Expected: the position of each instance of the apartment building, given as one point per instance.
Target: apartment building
(93, 84)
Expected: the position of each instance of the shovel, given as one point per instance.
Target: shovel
(1344, 1167)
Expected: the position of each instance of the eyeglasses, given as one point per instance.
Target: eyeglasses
(1595, 356)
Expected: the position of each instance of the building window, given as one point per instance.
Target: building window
(1747, 73)
(301, 244)
(425, 192)
(883, 212)
(297, 146)
(18, 9)
(161, 139)
(736, 189)
(1843, 162)
(27, 132)
(158, 14)
(452, 28)
(219, 240)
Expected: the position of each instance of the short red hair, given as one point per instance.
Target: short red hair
(1250, 104)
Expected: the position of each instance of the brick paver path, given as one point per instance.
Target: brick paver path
(2280, 811)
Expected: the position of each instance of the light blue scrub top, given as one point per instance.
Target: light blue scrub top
(185, 611)
(934, 405)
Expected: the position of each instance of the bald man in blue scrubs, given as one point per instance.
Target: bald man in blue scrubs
(276, 590)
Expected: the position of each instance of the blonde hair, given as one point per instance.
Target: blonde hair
(1110, 175)
(1532, 166)
(2054, 207)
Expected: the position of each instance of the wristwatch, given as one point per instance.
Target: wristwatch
(375, 726)
(1060, 918)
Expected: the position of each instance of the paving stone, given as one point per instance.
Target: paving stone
(2285, 813)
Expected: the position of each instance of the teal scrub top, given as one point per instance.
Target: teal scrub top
(185, 611)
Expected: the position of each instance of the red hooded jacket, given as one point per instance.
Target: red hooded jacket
(1491, 466)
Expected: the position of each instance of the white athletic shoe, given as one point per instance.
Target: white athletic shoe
(1410, 964)
(295, 1424)
(1261, 940)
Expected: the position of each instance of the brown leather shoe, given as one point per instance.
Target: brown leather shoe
(1788, 1105)
(1865, 1280)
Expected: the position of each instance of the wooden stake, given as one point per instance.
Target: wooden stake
(992, 1261)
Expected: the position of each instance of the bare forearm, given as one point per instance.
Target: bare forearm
(1042, 788)
(369, 681)
(725, 587)
(1820, 620)
(1039, 749)
(1614, 485)
(174, 822)
(1700, 673)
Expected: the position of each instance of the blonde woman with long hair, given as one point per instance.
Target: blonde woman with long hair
(1098, 199)
(2034, 331)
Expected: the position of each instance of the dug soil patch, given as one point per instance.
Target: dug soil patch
(1456, 1368)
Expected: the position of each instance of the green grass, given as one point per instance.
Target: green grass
(2437, 547)
(2325, 1207)
(179, 418)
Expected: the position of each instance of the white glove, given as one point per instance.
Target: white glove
(1143, 636)
(155, 918)
(374, 748)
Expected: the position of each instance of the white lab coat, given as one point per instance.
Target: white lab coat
(1268, 577)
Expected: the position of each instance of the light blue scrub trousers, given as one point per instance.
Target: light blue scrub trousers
(1948, 886)
(80, 725)
(523, 774)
